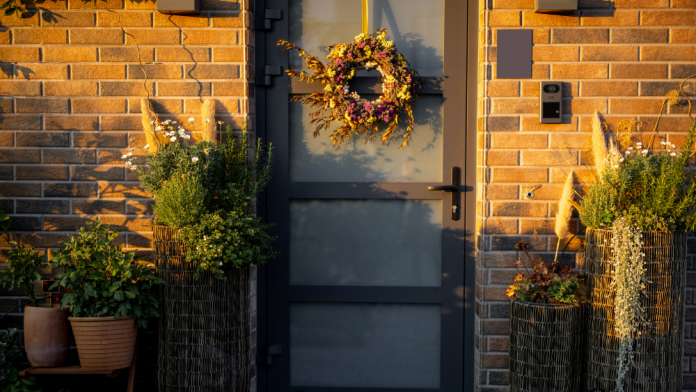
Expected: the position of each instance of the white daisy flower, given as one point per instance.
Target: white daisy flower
(674, 154)
(207, 150)
(129, 163)
(124, 156)
(158, 128)
(173, 138)
(173, 122)
(130, 154)
(194, 159)
(207, 120)
(220, 122)
(147, 146)
(133, 168)
(221, 264)
(191, 119)
(628, 152)
(187, 137)
(621, 160)
(662, 143)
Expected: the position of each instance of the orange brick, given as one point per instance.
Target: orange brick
(173, 89)
(639, 36)
(182, 55)
(613, 53)
(583, 175)
(40, 71)
(69, 54)
(684, 4)
(130, 54)
(72, 123)
(12, 55)
(69, 19)
(234, 55)
(221, 106)
(150, 36)
(530, 18)
(502, 158)
(579, 71)
(231, 89)
(100, 36)
(70, 88)
(503, 89)
(229, 20)
(139, 207)
(549, 158)
(121, 123)
(14, 21)
(667, 53)
(122, 190)
(641, 3)
(99, 105)
(5, 37)
(634, 106)
(517, 208)
(39, 105)
(609, 89)
(20, 88)
(524, 174)
(128, 19)
(118, 89)
(538, 226)
(164, 20)
(170, 106)
(669, 18)
(41, 173)
(610, 18)
(546, 192)
(227, 5)
(30, 123)
(580, 36)
(555, 53)
(96, 4)
(610, 122)
(211, 71)
(40, 36)
(155, 71)
(571, 140)
(100, 140)
(584, 106)
(513, 4)
(518, 141)
(517, 106)
(91, 71)
(531, 124)
(683, 36)
(638, 71)
(668, 124)
(501, 192)
(140, 5)
(213, 37)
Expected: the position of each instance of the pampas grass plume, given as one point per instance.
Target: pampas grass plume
(149, 124)
(565, 210)
(599, 145)
(208, 113)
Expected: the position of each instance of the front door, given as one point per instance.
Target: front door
(370, 291)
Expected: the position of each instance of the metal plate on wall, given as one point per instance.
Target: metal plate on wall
(514, 54)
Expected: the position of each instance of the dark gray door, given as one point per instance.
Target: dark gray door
(370, 290)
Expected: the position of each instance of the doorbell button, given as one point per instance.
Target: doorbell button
(550, 102)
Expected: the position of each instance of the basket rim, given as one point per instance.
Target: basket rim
(105, 318)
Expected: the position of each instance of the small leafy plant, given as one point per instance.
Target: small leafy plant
(105, 281)
(9, 375)
(545, 283)
(4, 221)
(24, 262)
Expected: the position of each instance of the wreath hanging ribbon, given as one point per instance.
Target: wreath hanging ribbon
(357, 115)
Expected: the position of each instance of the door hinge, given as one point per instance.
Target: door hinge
(264, 78)
(269, 15)
(266, 357)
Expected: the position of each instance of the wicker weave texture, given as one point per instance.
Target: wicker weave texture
(546, 347)
(204, 332)
(658, 356)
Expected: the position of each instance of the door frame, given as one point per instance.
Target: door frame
(462, 36)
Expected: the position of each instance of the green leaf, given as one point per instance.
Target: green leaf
(4, 219)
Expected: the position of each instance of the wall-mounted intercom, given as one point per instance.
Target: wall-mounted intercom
(555, 6)
(550, 102)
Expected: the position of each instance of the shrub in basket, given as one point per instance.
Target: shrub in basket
(205, 239)
(46, 332)
(109, 293)
(637, 212)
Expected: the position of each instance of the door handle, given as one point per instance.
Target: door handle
(454, 189)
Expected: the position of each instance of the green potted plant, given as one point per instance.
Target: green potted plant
(46, 332)
(205, 239)
(638, 213)
(109, 294)
(9, 375)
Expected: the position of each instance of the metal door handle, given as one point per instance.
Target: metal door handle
(454, 189)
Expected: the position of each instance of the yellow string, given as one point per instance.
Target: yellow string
(364, 17)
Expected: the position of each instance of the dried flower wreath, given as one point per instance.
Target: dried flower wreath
(359, 116)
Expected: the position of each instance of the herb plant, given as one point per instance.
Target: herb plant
(105, 281)
(24, 262)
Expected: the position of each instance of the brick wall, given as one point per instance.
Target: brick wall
(70, 91)
(617, 57)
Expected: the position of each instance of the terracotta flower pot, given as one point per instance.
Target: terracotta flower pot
(104, 343)
(46, 335)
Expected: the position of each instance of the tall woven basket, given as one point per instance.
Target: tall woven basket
(204, 324)
(546, 347)
(658, 356)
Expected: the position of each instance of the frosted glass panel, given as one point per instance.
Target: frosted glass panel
(364, 345)
(416, 26)
(365, 242)
(315, 159)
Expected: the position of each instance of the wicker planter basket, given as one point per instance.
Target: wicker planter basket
(204, 332)
(658, 356)
(104, 343)
(546, 347)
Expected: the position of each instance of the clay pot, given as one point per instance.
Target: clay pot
(104, 343)
(46, 335)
